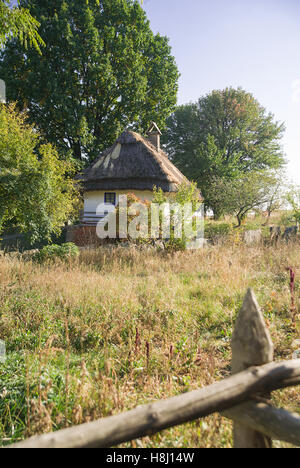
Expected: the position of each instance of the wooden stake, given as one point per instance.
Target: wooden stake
(251, 346)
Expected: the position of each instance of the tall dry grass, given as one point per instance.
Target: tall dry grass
(121, 327)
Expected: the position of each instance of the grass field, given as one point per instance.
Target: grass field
(115, 329)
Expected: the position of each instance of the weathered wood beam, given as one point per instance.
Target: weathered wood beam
(251, 346)
(277, 424)
(153, 418)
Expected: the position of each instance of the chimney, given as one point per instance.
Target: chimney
(154, 135)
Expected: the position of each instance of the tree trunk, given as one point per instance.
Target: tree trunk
(239, 220)
(268, 218)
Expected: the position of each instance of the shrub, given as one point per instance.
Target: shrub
(287, 219)
(187, 193)
(214, 229)
(53, 252)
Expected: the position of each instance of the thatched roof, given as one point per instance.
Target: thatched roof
(132, 163)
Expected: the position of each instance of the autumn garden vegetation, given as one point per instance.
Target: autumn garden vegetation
(112, 329)
(95, 332)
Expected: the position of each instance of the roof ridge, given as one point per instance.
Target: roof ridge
(133, 157)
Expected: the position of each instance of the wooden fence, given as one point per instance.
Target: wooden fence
(244, 397)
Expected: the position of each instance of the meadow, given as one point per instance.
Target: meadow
(117, 328)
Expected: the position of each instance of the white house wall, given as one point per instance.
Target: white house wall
(95, 200)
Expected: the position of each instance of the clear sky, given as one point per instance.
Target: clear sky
(254, 44)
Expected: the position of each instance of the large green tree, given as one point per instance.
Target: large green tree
(102, 70)
(17, 22)
(224, 135)
(37, 191)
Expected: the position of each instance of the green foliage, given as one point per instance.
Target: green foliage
(293, 198)
(37, 191)
(103, 70)
(287, 219)
(131, 215)
(18, 23)
(214, 229)
(226, 134)
(187, 193)
(277, 193)
(54, 252)
(239, 196)
(13, 395)
(140, 214)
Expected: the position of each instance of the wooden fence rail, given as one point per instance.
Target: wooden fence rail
(243, 397)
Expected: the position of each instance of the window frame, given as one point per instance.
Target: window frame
(109, 202)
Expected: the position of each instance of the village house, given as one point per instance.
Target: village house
(134, 164)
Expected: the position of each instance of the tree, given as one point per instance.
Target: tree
(37, 192)
(247, 192)
(18, 22)
(103, 70)
(226, 134)
(185, 224)
(277, 194)
(293, 200)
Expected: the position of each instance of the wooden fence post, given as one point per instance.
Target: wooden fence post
(251, 346)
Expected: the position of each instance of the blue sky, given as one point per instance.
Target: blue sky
(254, 44)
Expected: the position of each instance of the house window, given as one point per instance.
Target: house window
(110, 199)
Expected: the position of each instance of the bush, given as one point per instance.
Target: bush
(53, 252)
(187, 193)
(288, 219)
(214, 229)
